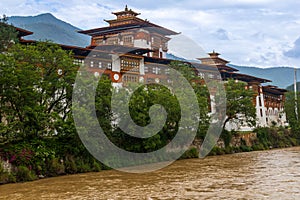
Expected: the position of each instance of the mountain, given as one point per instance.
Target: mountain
(48, 27)
(291, 87)
(280, 76)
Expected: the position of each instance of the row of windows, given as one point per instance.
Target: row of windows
(130, 64)
(100, 65)
(78, 62)
(208, 75)
(92, 64)
(114, 40)
(273, 97)
(130, 78)
(269, 112)
(156, 70)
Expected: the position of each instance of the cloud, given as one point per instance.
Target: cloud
(251, 32)
(295, 51)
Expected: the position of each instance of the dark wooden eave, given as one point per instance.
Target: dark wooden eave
(274, 90)
(23, 32)
(121, 28)
(120, 49)
(243, 77)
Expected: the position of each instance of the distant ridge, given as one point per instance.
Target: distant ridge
(280, 76)
(47, 27)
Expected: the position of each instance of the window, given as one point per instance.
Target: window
(130, 78)
(158, 70)
(127, 39)
(112, 41)
(259, 101)
(130, 64)
(98, 41)
(100, 64)
(154, 70)
(78, 62)
(92, 64)
(167, 71)
(108, 65)
(146, 69)
(211, 76)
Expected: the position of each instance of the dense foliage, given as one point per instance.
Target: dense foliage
(290, 110)
(8, 34)
(37, 133)
(239, 105)
(35, 90)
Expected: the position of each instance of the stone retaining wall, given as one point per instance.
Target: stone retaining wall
(236, 141)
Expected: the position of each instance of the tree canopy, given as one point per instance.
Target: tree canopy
(290, 110)
(239, 105)
(8, 34)
(35, 89)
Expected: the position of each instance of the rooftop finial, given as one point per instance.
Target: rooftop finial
(126, 8)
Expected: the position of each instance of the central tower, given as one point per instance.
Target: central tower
(130, 31)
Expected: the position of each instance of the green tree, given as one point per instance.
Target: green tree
(139, 106)
(239, 104)
(290, 110)
(8, 34)
(35, 89)
(201, 91)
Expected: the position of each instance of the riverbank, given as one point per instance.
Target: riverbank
(259, 139)
(31, 160)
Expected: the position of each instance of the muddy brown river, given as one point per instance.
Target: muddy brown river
(271, 174)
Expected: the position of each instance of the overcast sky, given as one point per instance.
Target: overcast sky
(246, 32)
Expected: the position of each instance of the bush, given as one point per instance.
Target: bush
(70, 165)
(258, 147)
(82, 166)
(3, 174)
(24, 174)
(4, 177)
(191, 153)
(229, 150)
(245, 148)
(294, 142)
(217, 151)
(55, 167)
(227, 136)
(96, 166)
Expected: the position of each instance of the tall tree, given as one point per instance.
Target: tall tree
(139, 106)
(239, 104)
(35, 89)
(290, 110)
(8, 34)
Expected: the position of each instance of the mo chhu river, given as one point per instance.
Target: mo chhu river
(273, 174)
